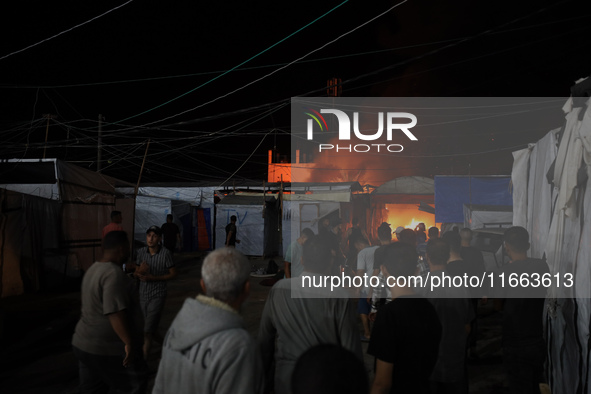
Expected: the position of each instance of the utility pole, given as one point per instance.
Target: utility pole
(48, 117)
(99, 154)
(139, 179)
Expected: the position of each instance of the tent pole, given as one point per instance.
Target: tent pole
(139, 179)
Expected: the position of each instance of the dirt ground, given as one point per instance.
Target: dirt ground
(36, 330)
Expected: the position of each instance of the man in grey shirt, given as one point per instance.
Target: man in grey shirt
(301, 317)
(293, 256)
(104, 342)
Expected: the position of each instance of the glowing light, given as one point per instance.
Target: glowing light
(408, 216)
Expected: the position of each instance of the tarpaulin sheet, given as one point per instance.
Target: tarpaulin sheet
(250, 226)
(452, 192)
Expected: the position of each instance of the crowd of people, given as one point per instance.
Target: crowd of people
(309, 338)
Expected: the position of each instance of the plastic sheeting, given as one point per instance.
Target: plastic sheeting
(87, 199)
(250, 227)
(487, 216)
(558, 217)
(452, 192)
(30, 245)
(149, 212)
(197, 196)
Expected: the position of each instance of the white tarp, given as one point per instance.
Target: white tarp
(250, 227)
(558, 217)
(149, 212)
(304, 214)
(487, 216)
(197, 196)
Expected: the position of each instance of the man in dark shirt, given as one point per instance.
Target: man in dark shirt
(231, 231)
(407, 331)
(171, 234)
(524, 348)
(470, 253)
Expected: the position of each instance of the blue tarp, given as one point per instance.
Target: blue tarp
(452, 192)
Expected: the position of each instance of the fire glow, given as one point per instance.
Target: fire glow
(408, 216)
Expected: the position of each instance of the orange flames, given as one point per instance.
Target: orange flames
(408, 216)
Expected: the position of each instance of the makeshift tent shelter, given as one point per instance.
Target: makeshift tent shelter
(405, 190)
(256, 223)
(452, 192)
(192, 207)
(63, 224)
(298, 205)
(552, 200)
(477, 216)
(306, 203)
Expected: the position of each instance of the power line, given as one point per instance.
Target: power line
(235, 67)
(123, 81)
(65, 31)
(281, 68)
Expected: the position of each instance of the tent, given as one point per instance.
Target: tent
(256, 223)
(478, 216)
(452, 192)
(552, 200)
(61, 210)
(192, 207)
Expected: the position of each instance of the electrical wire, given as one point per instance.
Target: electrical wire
(235, 67)
(282, 64)
(279, 69)
(65, 31)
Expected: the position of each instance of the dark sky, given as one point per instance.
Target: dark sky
(128, 65)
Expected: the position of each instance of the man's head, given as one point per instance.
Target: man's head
(329, 369)
(433, 232)
(516, 242)
(305, 234)
(336, 226)
(359, 242)
(437, 252)
(399, 229)
(453, 240)
(316, 255)
(421, 226)
(397, 259)
(116, 247)
(224, 276)
(408, 237)
(466, 235)
(384, 233)
(169, 218)
(153, 236)
(116, 217)
(233, 219)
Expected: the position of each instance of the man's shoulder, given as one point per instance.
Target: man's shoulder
(527, 265)
(103, 267)
(370, 250)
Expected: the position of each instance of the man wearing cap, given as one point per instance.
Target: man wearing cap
(155, 268)
(399, 229)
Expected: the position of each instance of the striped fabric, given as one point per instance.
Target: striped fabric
(159, 264)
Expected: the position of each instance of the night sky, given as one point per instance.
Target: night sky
(143, 64)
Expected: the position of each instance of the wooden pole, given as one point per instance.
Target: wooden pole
(99, 156)
(47, 116)
(139, 179)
